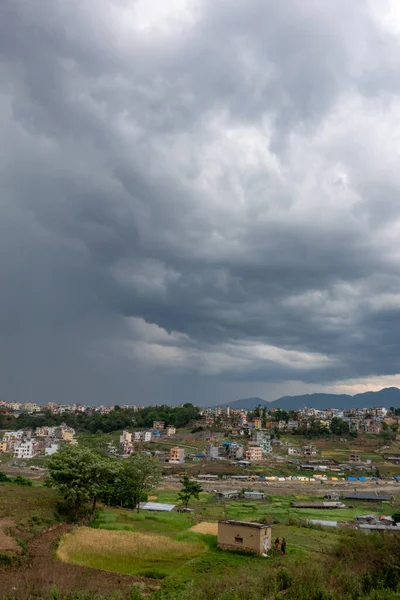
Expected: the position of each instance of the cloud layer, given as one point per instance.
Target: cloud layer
(197, 198)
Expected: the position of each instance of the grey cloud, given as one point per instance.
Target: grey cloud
(214, 180)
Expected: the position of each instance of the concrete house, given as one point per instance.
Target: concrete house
(176, 455)
(244, 535)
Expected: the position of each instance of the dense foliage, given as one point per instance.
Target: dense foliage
(120, 418)
(179, 416)
(132, 480)
(81, 476)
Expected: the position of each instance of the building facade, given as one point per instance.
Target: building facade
(244, 536)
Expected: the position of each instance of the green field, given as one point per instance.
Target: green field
(130, 552)
(287, 522)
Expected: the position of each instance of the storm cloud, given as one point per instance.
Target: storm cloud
(198, 199)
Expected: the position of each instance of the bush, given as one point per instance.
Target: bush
(283, 580)
(19, 480)
(153, 574)
(5, 560)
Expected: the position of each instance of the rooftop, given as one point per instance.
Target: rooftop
(246, 524)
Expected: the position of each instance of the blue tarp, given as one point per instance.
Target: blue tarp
(362, 479)
(352, 479)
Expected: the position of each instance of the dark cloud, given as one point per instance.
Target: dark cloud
(201, 207)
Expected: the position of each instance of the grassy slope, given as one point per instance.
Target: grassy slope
(21, 503)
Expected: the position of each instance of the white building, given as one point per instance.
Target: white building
(26, 449)
(171, 430)
(142, 436)
(292, 451)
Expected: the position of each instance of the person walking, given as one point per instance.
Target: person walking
(277, 542)
(283, 547)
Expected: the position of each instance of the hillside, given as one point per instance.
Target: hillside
(386, 397)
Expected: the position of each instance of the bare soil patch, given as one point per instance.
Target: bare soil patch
(205, 527)
(7, 543)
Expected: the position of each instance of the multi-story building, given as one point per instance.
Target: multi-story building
(5, 446)
(292, 451)
(26, 449)
(235, 452)
(158, 425)
(171, 430)
(143, 436)
(176, 455)
(211, 452)
(125, 437)
(254, 454)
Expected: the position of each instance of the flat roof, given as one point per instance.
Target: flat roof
(157, 506)
(322, 523)
(246, 524)
(366, 497)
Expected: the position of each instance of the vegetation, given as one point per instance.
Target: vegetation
(19, 480)
(121, 418)
(82, 475)
(79, 475)
(190, 489)
(133, 479)
(127, 552)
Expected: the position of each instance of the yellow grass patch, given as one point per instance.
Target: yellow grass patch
(152, 498)
(125, 551)
(205, 527)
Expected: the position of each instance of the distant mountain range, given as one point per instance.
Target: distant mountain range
(386, 397)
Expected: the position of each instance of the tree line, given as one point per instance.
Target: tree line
(119, 418)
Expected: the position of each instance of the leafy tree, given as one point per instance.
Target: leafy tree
(189, 489)
(339, 427)
(396, 517)
(139, 474)
(79, 475)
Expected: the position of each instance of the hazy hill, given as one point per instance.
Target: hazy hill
(386, 397)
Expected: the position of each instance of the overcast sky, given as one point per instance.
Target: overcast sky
(199, 200)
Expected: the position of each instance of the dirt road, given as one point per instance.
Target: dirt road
(390, 488)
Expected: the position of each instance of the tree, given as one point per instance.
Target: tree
(190, 488)
(79, 475)
(140, 474)
(339, 427)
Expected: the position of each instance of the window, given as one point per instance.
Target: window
(238, 540)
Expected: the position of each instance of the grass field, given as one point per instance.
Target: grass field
(277, 506)
(127, 552)
(177, 528)
(22, 503)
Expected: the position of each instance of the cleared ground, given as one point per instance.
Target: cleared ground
(7, 543)
(127, 552)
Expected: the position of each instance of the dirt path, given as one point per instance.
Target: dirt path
(44, 571)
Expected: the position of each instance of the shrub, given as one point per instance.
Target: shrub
(153, 574)
(19, 480)
(283, 580)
